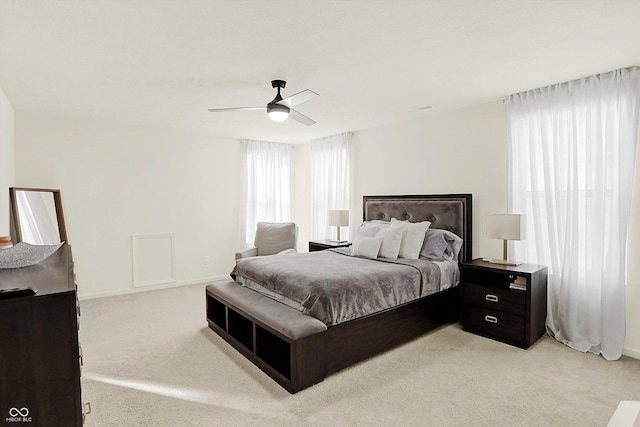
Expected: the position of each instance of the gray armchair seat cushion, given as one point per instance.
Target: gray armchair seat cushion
(272, 238)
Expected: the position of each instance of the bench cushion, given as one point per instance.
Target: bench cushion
(281, 318)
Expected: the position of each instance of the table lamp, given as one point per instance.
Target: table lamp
(506, 227)
(338, 218)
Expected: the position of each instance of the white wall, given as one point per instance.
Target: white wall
(461, 151)
(454, 152)
(6, 160)
(301, 200)
(117, 181)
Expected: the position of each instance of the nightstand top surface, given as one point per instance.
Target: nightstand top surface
(522, 268)
(331, 243)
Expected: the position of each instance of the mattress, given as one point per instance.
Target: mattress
(335, 287)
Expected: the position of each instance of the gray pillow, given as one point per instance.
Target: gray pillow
(440, 245)
(274, 237)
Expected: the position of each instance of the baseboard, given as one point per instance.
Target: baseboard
(151, 288)
(631, 352)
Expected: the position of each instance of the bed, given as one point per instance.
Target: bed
(297, 346)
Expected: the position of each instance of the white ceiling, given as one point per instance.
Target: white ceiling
(163, 63)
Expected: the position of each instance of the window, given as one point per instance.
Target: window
(571, 160)
(330, 180)
(266, 185)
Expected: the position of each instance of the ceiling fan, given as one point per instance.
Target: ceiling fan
(280, 109)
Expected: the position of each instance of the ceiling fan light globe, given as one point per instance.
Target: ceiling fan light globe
(277, 112)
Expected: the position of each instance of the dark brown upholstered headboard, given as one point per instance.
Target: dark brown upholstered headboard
(449, 211)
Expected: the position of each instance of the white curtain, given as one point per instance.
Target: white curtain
(266, 185)
(330, 181)
(571, 158)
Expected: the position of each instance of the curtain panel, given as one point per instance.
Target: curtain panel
(330, 181)
(266, 171)
(571, 151)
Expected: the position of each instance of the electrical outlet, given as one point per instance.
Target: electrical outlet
(206, 260)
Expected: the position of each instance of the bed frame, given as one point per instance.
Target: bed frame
(297, 350)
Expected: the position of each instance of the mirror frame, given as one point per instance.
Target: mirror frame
(57, 200)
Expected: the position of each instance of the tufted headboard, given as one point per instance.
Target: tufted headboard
(449, 211)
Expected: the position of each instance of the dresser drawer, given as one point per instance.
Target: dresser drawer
(493, 322)
(496, 299)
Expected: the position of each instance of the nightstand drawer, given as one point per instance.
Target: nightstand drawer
(496, 299)
(495, 323)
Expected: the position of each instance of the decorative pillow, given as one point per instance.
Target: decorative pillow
(440, 245)
(367, 247)
(376, 225)
(391, 241)
(363, 231)
(412, 237)
(376, 221)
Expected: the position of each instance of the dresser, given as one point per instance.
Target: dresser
(40, 358)
(505, 303)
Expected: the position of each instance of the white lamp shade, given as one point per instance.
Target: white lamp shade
(277, 112)
(506, 226)
(339, 218)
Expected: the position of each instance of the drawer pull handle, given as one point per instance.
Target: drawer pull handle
(86, 410)
(491, 297)
(491, 319)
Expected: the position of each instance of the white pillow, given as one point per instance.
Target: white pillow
(376, 225)
(363, 231)
(391, 241)
(367, 247)
(412, 237)
(376, 222)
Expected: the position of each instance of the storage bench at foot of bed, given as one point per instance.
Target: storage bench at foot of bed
(298, 351)
(280, 340)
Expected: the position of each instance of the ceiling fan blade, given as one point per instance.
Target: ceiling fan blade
(220, 110)
(299, 98)
(293, 114)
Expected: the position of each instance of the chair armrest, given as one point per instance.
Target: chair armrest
(246, 253)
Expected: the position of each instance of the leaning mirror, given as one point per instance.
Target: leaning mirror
(37, 216)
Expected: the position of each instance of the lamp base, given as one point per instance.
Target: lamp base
(504, 262)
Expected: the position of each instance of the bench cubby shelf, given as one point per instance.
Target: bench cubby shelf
(274, 353)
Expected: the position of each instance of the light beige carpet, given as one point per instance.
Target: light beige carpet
(150, 360)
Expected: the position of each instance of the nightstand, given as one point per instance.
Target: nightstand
(505, 303)
(321, 245)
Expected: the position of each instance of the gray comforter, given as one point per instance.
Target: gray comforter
(335, 287)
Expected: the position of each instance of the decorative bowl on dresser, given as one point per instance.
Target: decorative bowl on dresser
(505, 303)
